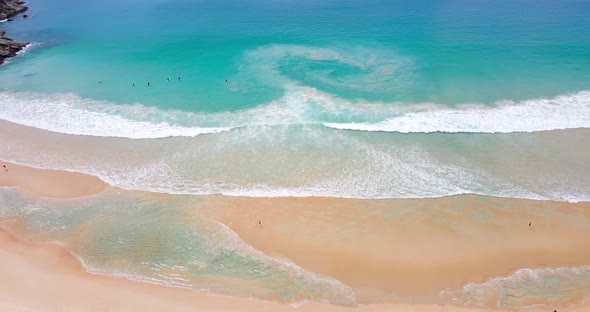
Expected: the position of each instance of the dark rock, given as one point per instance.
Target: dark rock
(9, 47)
(11, 8)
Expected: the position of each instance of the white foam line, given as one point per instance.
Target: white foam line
(562, 112)
(27, 48)
(71, 114)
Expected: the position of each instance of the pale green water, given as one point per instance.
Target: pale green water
(169, 240)
(154, 239)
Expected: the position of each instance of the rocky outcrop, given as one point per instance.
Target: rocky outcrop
(10, 8)
(9, 47)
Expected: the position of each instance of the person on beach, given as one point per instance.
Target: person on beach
(5, 168)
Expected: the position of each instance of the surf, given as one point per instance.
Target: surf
(72, 114)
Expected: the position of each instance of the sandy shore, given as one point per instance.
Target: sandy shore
(46, 278)
(49, 183)
(405, 252)
(413, 248)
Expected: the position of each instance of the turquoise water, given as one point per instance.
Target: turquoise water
(377, 99)
(404, 52)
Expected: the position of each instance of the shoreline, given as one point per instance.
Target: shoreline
(425, 245)
(49, 265)
(8, 47)
(48, 182)
(336, 237)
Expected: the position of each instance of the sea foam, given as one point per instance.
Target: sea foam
(562, 112)
(282, 148)
(71, 114)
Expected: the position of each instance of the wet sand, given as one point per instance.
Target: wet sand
(46, 278)
(413, 248)
(49, 183)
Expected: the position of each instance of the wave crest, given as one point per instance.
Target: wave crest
(562, 112)
(71, 114)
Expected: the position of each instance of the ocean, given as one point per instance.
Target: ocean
(344, 99)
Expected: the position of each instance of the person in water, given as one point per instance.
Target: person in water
(149, 84)
(178, 77)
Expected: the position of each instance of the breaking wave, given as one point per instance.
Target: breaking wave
(562, 112)
(71, 114)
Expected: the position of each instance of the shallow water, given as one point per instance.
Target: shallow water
(178, 241)
(307, 160)
(143, 238)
